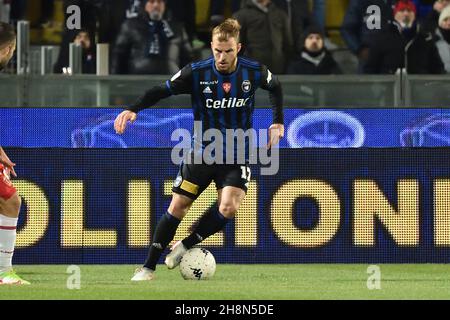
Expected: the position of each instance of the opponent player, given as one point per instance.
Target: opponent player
(222, 89)
(9, 199)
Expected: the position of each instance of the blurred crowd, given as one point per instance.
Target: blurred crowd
(289, 36)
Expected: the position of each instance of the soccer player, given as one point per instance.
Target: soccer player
(9, 199)
(222, 90)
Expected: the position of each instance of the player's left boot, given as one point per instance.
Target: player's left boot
(10, 277)
(173, 259)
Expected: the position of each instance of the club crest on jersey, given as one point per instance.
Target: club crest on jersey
(226, 87)
(246, 86)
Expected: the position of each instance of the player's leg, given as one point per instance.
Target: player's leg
(9, 214)
(191, 181)
(231, 182)
(164, 232)
(10, 203)
(215, 220)
(202, 176)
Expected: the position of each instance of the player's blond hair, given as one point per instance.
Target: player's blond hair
(230, 28)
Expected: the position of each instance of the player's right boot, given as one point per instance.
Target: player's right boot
(173, 259)
(143, 274)
(10, 277)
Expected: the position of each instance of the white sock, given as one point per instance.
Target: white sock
(7, 241)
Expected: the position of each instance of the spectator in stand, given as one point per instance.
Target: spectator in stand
(443, 38)
(357, 34)
(150, 44)
(430, 23)
(314, 58)
(265, 34)
(88, 66)
(100, 19)
(402, 46)
(180, 10)
(89, 18)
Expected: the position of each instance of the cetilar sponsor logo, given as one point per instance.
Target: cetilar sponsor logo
(326, 129)
(430, 131)
(226, 103)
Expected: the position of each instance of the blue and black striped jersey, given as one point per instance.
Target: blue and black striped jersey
(224, 101)
(220, 101)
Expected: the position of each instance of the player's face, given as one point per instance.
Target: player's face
(225, 53)
(6, 54)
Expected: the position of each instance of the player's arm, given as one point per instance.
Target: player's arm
(180, 83)
(271, 83)
(6, 162)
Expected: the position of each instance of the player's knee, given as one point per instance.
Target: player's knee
(228, 209)
(179, 206)
(178, 209)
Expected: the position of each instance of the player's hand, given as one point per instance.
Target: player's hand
(276, 132)
(9, 165)
(122, 119)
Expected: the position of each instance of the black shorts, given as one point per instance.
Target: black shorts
(193, 179)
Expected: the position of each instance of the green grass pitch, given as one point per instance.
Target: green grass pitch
(253, 282)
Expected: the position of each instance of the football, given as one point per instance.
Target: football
(197, 264)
